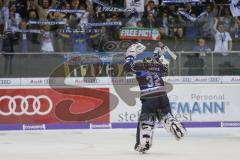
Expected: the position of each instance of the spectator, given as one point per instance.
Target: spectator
(180, 22)
(133, 19)
(235, 33)
(74, 4)
(33, 15)
(114, 30)
(80, 19)
(21, 8)
(79, 41)
(33, 37)
(2, 16)
(31, 5)
(101, 17)
(150, 22)
(172, 10)
(192, 29)
(2, 21)
(8, 42)
(207, 21)
(84, 17)
(47, 40)
(8, 46)
(226, 19)
(139, 24)
(171, 26)
(64, 43)
(63, 40)
(66, 6)
(165, 23)
(23, 38)
(188, 8)
(235, 29)
(14, 18)
(43, 8)
(118, 3)
(179, 40)
(201, 46)
(151, 8)
(223, 40)
(100, 39)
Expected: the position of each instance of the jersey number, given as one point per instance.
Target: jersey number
(153, 80)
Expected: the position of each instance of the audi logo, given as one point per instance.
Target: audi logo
(25, 105)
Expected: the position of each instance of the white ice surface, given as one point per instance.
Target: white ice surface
(200, 144)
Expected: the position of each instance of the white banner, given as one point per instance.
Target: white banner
(42, 82)
(138, 5)
(43, 22)
(235, 8)
(67, 11)
(27, 31)
(5, 82)
(191, 103)
(180, 1)
(99, 81)
(105, 8)
(117, 23)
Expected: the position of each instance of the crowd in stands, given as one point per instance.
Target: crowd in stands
(80, 25)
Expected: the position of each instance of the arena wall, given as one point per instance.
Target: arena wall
(82, 103)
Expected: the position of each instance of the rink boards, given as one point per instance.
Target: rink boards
(78, 103)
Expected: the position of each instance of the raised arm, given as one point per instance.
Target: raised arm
(53, 3)
(36, 4)
(131, 54)
(215, 26)
(39, 6)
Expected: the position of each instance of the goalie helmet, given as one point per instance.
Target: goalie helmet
(148, 60)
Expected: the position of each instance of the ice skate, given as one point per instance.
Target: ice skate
(140, 148)
(174, 126)
(146, 136)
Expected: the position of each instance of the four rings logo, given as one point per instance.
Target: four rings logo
(28, 105)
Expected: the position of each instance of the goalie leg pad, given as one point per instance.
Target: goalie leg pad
(173, 126)
(145, 136)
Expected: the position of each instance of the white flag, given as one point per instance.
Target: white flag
(235, 8)
(138, 5)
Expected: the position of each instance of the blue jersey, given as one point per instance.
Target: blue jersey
(148, 75)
